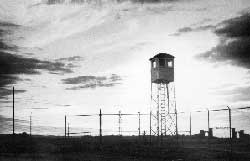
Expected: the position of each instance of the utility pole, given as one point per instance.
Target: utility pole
(139, 127)
(13, 103)
(230, 122)
(65, 126)
(100, 129)
(190, 124)
(208, 127)
(119, 122)
(150, 126)
(208, 120)
(230, 128)
(30, 124)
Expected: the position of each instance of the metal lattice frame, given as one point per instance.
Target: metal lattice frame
(163, 109)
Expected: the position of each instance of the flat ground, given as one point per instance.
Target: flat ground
(121, 148)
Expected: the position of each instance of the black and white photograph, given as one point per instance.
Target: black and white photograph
(124, 80)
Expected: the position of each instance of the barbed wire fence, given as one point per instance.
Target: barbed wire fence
(222, 121)
(119, 123)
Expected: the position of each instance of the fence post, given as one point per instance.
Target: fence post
(139, 126)
(208, 120)
(13, 112)
(150, 127)
(100, 124)
(230, 132)
(208, 127)
(176, 126)
(65, 126)
(190, 124)
(30, 124)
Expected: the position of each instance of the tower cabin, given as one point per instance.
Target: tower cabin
(162, 68)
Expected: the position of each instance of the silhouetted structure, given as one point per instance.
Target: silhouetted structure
(163, 107)
(202, 133)
(13, 112)
(243, 136)
(234, 133)
(210, 133)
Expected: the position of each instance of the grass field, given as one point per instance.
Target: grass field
(22, 147)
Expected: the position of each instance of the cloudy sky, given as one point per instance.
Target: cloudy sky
(75, 57)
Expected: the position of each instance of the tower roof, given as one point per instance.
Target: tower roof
(163, 55)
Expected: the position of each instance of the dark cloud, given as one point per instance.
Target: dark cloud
(6, 29)
(7, 79)
(92, 81)
(51, 2)
(83, 79)
(7, 119)
(4, 92)
(234, 46)
(92, 85)
(12, 65)
(235, 28)
(63, 105)
(151, 1)
(55, 1)
(70, 62)
(115, 78)
(73, 58)
(193, 29)
(8, 24)
(185, 29)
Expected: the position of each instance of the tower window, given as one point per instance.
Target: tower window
(154, 64)
(162, 62)
(170, 64)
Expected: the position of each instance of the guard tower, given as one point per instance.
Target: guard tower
(163, 115)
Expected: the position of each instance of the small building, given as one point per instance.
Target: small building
(202, 133)
(243, 135)
(210, 133)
